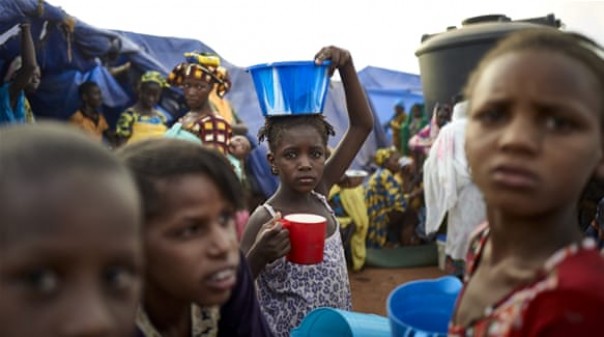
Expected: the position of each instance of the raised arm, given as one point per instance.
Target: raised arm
(360, 117)
(28, 56)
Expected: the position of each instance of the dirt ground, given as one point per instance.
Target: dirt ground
(371, 286)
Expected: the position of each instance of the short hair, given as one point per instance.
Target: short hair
(573, 45)
(154, 160)
(47, 149)
(275, 126)
(85, 87)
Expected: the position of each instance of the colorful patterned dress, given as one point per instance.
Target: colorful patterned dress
(288, 292)
(212, 130)
(135, 126)
(566, 297)
(384, 194)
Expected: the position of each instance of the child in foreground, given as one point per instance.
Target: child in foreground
(298, 147)
(534, 140)
(197, 282)
(70, 250)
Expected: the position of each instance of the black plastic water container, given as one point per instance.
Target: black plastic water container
(447, 59)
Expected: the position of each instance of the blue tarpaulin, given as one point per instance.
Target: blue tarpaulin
(385, 88)
(70, 52)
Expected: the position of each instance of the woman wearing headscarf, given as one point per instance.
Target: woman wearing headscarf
(198, 76)
(416, 121)
(385, 199)
(420, 143)
(143, 120)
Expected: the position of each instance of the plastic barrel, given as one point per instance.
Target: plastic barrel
(446, 59)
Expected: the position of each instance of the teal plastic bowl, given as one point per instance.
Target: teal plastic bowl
(291, 88)
(329, 322)
(423, 308)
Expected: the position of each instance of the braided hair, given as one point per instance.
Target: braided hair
(275, 126)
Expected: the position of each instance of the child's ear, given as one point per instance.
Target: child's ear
(271, 160)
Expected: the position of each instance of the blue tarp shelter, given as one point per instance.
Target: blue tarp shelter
(385, 88)
(70, 52)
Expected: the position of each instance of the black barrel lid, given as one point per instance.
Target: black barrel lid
(476, 30)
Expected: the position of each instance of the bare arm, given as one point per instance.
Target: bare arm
(264, 240)
(118, 70)
(359, 116)
(28, 55)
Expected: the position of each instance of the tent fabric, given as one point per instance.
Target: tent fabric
(69, 54)
(385, 88)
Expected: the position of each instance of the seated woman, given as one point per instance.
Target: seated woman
(387, 202)
(143, 120)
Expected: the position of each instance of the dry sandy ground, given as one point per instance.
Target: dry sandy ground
(371, 286)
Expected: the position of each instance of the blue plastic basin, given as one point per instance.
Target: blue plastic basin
(330, 322)
(291, 88)
(423, 308)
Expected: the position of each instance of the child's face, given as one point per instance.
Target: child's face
(300, 158)
(70, 258)
(149, 94)
(93, 97)
(534, 132)
(192, 248)
(196, 92)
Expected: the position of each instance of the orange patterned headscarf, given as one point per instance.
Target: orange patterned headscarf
(204, 67)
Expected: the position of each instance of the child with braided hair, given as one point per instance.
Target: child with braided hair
(298, 147)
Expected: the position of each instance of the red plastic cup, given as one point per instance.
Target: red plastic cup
(306, 236)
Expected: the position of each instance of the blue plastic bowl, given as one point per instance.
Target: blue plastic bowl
(423, 308)
(291, 88)
(329, 322)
